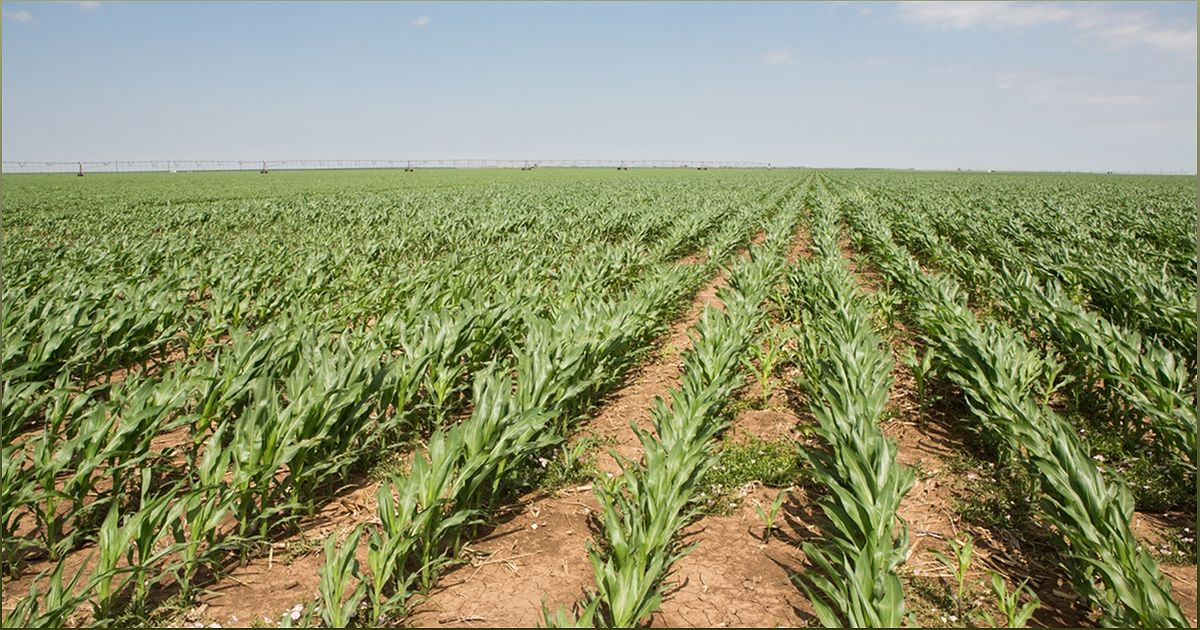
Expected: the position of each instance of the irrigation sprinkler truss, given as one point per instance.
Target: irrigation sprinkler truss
(266, 166)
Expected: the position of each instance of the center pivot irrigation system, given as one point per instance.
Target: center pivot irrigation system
(266, 166)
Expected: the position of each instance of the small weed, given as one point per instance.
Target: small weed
(775, 464)
(299, 548)
(1177, 547)
(958, 563)
(764, 359)
(738, 406)
(931, 600)
(388, 465)
(1013, 613)
(992, 497)
(1158, 484)
(572, 465)
(921, 472)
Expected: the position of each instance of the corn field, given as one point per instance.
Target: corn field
(198, 368)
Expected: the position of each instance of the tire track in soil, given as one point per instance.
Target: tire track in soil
(928, 508)
(538, 553)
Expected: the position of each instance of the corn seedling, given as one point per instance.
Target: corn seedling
(342, 587)
(958, 563)
(764, 359)
(922, 371)
(769, 515)
(1015, 613)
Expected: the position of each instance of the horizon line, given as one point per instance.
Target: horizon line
(201, 165)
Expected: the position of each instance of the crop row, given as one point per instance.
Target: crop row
(997, 373)
(846, 367)
(644, 509)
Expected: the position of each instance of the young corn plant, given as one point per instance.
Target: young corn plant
(958, 563)
(109, 578)
(1015, 613)
(342, 586)
(204, 507)
(770, 515)
(1055, 380)
(922, 371)
(53, 607)
(764, 359)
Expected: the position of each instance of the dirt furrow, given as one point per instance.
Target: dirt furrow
(736, 578)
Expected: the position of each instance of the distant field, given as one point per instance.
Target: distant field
(388, 398)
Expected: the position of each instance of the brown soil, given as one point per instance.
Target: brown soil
(536, 556)
(774, 423)
(867, 278)
(799, 248)
(1150, 530)
(733, 578)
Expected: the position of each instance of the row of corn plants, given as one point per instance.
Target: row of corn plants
(1119, 285)
(846, 372)
(998, 373)
(644, 508)
(1147, 387)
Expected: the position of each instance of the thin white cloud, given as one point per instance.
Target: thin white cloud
(421, 21)
(1138, 29)
(20, 16)
(88, 4)
(957, 15)
(1114, 28)
(1116, 99)
(1080, 90)
(779, 58)
(876, 62)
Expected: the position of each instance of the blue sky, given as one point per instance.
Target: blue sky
(1048, 86)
